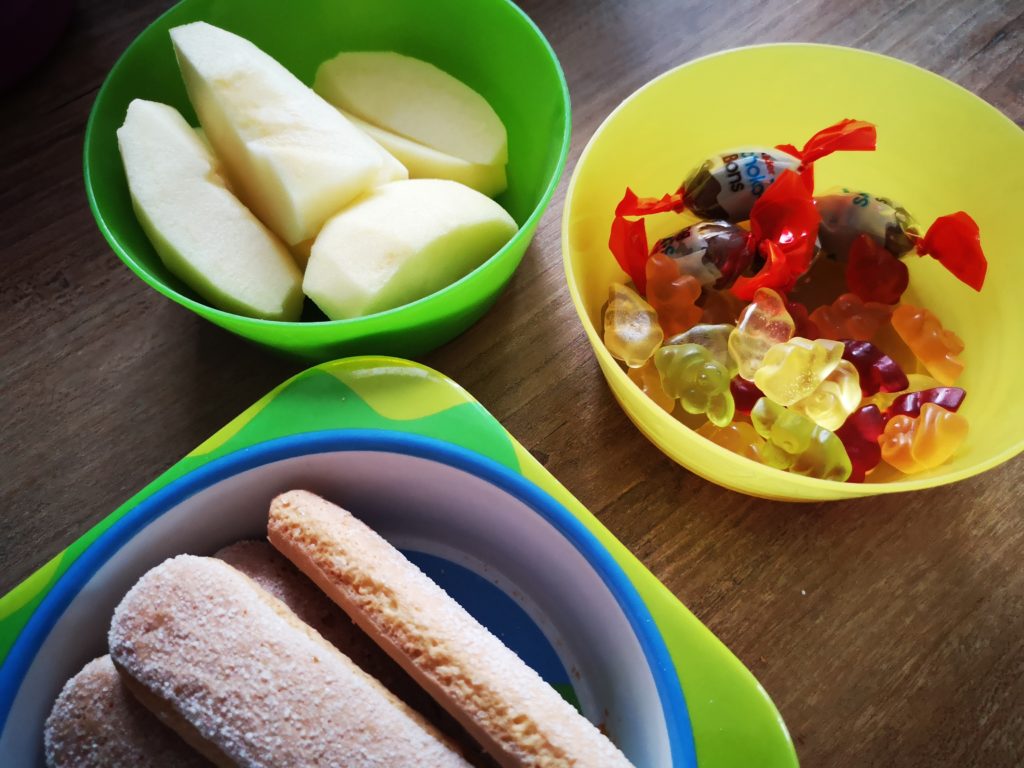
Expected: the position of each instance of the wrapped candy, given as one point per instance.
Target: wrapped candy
(859, 435)
(672, 294)
(726, 185)
(795, 443)
(784, 227)
(954, 240)
(725, 188)
(631, 329)
(762, 324)
(691, 374)
(713, 252)
(783, 233)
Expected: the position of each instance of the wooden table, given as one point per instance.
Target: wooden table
(890, 631)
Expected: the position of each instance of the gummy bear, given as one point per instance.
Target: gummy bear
(932, 344)
(762, 324)
(802, 320)
(690, 373)
(917, 444)
(739, 437)
(744, 393)
(673, 295)
(721, 307)
(850, 318)
(916, 382)
(796, 443)
(859, 435)
(834, 399)
(874, 274)
(714, 338)
(792, 370)
(909, 403)
(649, 380)
(631, 329)
(878, 372)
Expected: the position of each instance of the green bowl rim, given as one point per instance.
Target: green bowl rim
(353, 323)
(811, 488)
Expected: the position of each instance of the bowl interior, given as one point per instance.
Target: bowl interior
(490, 45)
(521, 563)
(940, 149)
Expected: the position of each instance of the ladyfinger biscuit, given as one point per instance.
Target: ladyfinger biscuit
(237, 674)
(501, 701)
(95, 723)
(274, 573)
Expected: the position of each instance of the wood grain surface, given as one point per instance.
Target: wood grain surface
(890, 632)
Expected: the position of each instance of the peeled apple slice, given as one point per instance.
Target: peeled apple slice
(201, 231)
(423, 162)
(401, 242)
(414, 99)
(292, 158)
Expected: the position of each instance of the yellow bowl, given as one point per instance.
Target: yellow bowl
(940, 149)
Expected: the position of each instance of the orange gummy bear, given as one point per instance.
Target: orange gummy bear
(916, 444)
(649, 380)
(850, 318)
(672, 294)
(932, 344)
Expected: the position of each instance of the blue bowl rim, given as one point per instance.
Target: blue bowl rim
(524, 230)
(68, 586)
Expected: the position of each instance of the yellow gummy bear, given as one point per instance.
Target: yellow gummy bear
(631, 329)
(793, 369)
(835, 398)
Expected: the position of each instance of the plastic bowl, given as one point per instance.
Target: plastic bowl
(490, 44)
(940, 149)
(517, 559)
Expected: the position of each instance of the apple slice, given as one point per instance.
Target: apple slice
(201, 231)
(423, 162)
(293, 159)
(401, 242)
(416, 100)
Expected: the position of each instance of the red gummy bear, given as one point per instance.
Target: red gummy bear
(874, 274)
(860, 433)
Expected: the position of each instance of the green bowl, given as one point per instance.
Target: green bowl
(490, 45)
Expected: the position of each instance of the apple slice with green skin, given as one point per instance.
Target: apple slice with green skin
(400, 242)
(423, 162)
(201, 231)
(414, 99)
(291, 157)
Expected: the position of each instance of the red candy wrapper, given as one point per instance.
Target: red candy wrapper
(784, 224)
(955, 242)
(846, 135)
